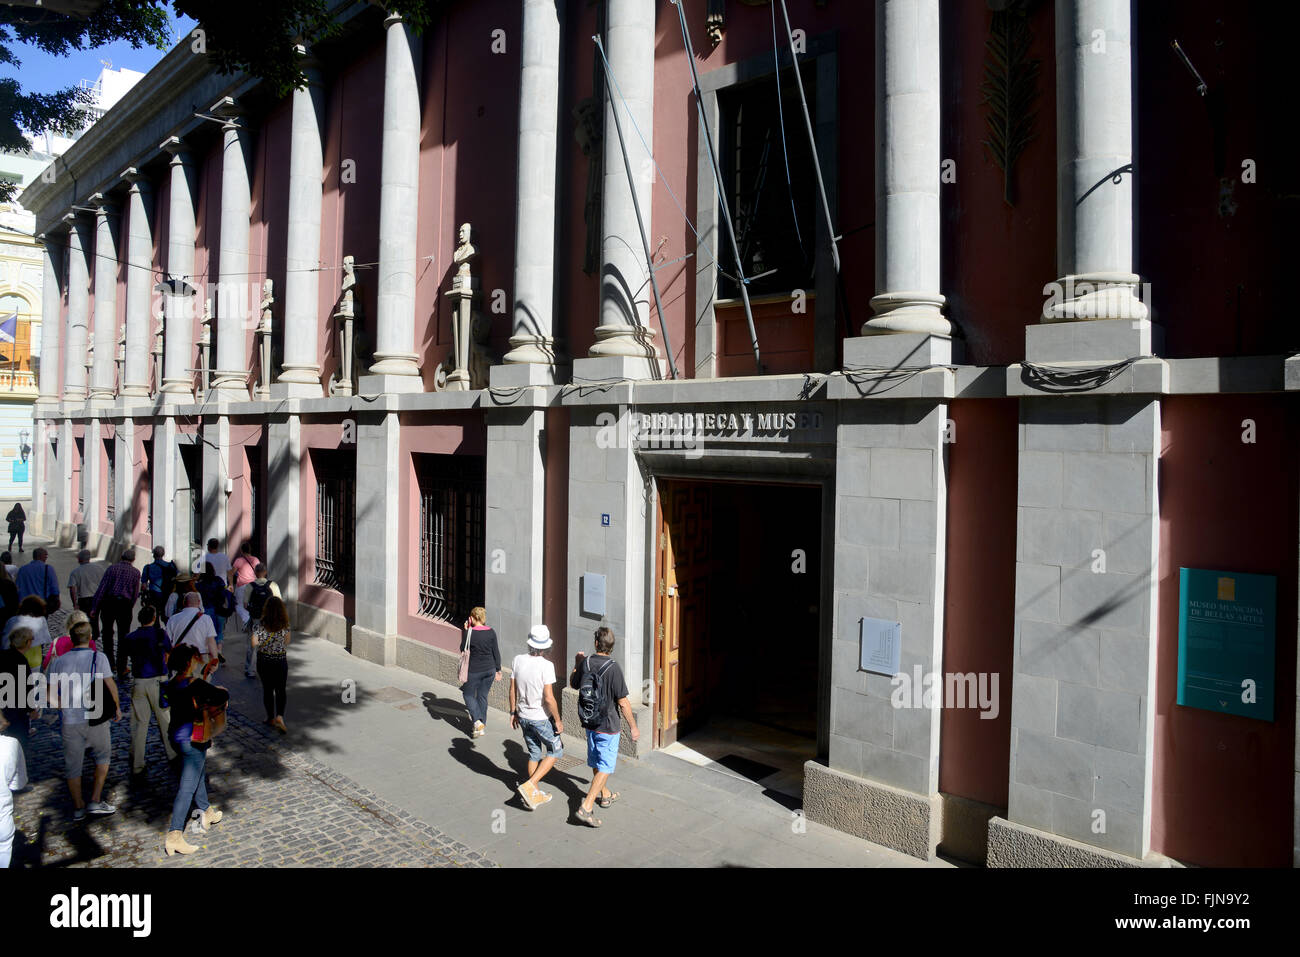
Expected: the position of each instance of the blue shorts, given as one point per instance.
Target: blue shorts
(539, 735)
(602, 751)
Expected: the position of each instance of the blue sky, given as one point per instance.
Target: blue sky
(42, 73)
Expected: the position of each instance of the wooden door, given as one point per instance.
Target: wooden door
(667, 632)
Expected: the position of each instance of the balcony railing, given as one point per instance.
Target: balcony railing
(18, 381)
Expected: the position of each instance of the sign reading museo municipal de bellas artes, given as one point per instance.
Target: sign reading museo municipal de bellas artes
(1227, 631)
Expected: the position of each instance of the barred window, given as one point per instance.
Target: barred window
(335, 518)
(147, 479)
(453, 493)
(110, 510)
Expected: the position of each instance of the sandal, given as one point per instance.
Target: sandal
(607, 801)
(588, 817)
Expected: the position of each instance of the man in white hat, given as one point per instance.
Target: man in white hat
(533, 708)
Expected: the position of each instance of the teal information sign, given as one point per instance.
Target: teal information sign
(1227, 632)
(20, 471)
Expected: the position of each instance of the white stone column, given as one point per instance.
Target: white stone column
(397, 365)
(233, 305)
(179, 356)
(215, 456)
(63, 479)
(908, 302)
(105, 323)
(124, 482)
(624, 331)
(379, 526)
(51, 331)
(74, 356)
(165, 463)
(139, 284)
(92, 488)
(284, 457)
(300, 374)
(1094, 155)
(532, 342)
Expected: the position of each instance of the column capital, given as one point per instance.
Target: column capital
(137, 180)
(178, 149)
(104, 205)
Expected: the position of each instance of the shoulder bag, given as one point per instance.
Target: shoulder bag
(463, 674)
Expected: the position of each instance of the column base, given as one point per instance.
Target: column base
(100, 399)
(1102, 295)
(176, 390)
(538, 350)
(633, 341)
(280, 389)
(1097, 340)
(901, 350)
(136, 391)
(395, 364)
(907, 822)
(897, 312)
(1017, 845)
(457, 381)
(522, 374)
(379, 384)
(371, 646)
(606, 368)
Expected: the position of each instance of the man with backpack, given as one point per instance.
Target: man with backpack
(252, 602)
(156, 581)
(602, 696)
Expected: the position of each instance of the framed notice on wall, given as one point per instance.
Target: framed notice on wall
(1227, 634)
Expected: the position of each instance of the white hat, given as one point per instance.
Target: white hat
(539, 637)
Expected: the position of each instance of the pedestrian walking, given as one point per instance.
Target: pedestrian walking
(114, 602)
(83, 582)
(271, 640)
(83, 690)
(38, 578)
(156, 581)
(602, 696)
(8, 594)
(534, 711)
(148, 647)
(63, 644)
(190, 626)
(31, 614)
(16, 672)
(7, 560)
(244, 567)
(17, 520)
(13, 777)
(188, 695)
(250, 605)
(218, 602)
(182, 585)
(219, 559)
(484, 668)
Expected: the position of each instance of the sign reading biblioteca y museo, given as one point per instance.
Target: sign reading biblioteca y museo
(1227, 635)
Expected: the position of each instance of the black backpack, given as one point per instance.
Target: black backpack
(592, 695)
(257, 596)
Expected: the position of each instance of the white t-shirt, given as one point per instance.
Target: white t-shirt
(40, 630)
(73, 699)
(198, 635)
(532, 673)
(13, 777)
(220, 564)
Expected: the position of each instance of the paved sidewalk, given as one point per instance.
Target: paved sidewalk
(405, 738)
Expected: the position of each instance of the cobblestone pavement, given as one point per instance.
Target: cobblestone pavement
(281, 809)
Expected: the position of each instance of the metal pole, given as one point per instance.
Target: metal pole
(717, 177)
(636, 205)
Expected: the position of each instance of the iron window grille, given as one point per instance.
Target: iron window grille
(81, 478)
(453, 496)
(335, 519)
(148, 484)
(778, 252)
(110, 510)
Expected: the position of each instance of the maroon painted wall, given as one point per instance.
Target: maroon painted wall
(1223, 783)
(980, 593)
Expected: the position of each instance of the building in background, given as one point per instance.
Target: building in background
(398, 329)
(20, 287)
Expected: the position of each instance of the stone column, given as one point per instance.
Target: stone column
(74, 356)
(233, 302)
(181, 302)
(908, 327)
(624, 334)
(91, 486)
(124, 484)
(532, 344)
(215, 457)
(106, 235)
(284, 457)
(63, 478)
(378, 529)
(1094, 154)
(51, 333)
(165, 463)
(397, 365)
(139, 284)
(300, 373)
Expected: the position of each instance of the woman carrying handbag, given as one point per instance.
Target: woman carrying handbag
(480, 666)
(198, 712)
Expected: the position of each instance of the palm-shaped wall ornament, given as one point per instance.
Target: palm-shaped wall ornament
(1010, 87)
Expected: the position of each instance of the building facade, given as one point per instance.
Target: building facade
(850, 394)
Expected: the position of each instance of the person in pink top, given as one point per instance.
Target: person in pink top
(244, 566)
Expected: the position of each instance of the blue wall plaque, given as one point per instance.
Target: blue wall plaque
(1227, 635)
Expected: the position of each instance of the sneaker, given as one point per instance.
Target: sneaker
(532, 800)
(79, 814)
(479, 730)
(100, 808)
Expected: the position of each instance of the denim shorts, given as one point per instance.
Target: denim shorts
(539, 735)
(602, 751)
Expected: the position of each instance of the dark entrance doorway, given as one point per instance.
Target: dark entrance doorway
(737, 637)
